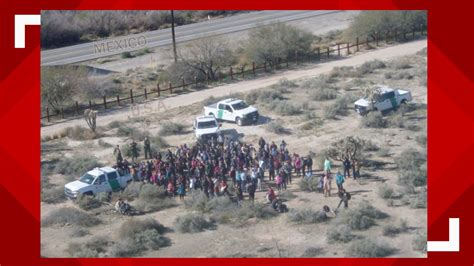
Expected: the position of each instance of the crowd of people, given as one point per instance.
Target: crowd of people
(213, 167)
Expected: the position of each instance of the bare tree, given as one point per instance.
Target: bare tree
(207, 56)
(90, 116)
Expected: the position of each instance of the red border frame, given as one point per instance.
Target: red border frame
(450, 127)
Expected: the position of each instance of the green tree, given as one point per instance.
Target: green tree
(369, 23)
(279, 41)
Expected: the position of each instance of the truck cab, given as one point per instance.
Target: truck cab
(206, 127)
(234, 110)
(384, 99)
(104, 179)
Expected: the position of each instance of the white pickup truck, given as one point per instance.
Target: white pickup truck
(234, 110)
(206, 127)
(104, 179)
(384, 99)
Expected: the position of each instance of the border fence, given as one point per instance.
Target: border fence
(234, 74)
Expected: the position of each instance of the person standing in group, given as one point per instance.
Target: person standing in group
(347, 168)
(118, 155)
(134, 150)
(339, 181)
(327, 186)
(147, 148)
(327, 166)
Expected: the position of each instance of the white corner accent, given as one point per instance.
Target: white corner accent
(20, 22)
(452, 245)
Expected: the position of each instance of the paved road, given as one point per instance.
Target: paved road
(118, 45)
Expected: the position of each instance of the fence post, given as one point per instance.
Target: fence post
(158, 90)
(90, 104)
(421, 29)
(348, 49)
(319, 54)
(376, 39)
(195, 81)
(208, 79)
(265, 66)
(338, 49)
(231, 74)
(367, 40)
(386, 37)
(328, 52)
(105, 103)
(296, 57)
(413, 34)
(118, 99)
(131, 96)
(62, 113)
(220, 77)
(287, 63)
(183, 84)
(47, 114)
(146, 95)
(357, 44)
(77, 108)
(243, 72)
(171, 88)
(253, 68)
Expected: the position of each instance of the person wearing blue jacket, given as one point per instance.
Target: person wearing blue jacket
(339, 181)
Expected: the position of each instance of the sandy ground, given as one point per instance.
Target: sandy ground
(161, 105)
(260, 238)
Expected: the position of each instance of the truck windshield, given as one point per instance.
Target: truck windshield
(240, 106)
(206, 124)
(87, 178)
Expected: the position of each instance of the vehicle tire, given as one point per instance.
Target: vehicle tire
(238, 120)
(212, 114)
(88, 193)
(403, 102)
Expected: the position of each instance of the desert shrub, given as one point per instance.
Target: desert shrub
(53, 194)
(386, 192)
(313, 124)
(89, 202)
(403, 63)
(286, 194)
(319, 82)
(339, 107)
(127, 55)
(131, 132)
(79, 232)
(94, 248)
(76, 165)
(367, 248)
(68, 215)
(170, 128)
(419, 242)
(397, 120)
(361, 217)
(312, 252)
(369, 145)
(79, 133)
(276, 127)
(411, 168)
(157, 143)
(104, 144)
(383, 152)
(421, 140)
(285, 83)
(263, 96)
(309, 183)
(152, 198)
(284, 108)
(323, 94)
(224, 210)
(419, 201)
(373, 120)
(392, 230)
(132, 190)
(192, 223)
(306, 216)
(116, 124)
(143, 234)
(370, 66)
(340, 233)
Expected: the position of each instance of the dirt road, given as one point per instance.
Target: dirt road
(163, 104)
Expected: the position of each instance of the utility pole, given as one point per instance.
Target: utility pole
(174, 39)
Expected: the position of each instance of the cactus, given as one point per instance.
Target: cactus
(90, 116)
